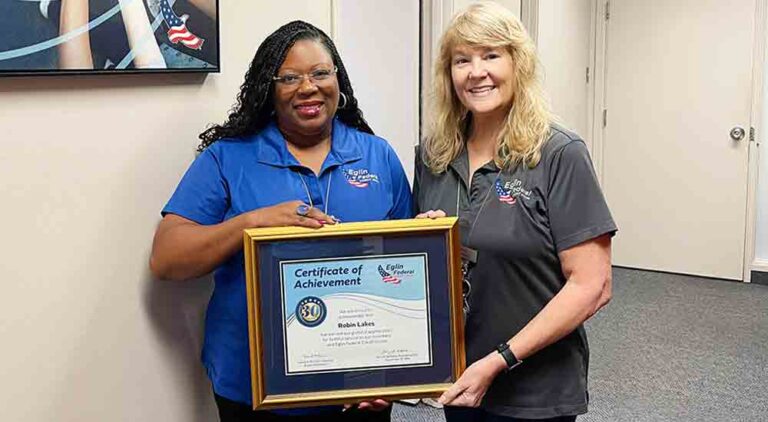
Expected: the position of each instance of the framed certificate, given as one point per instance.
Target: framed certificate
(353, 311)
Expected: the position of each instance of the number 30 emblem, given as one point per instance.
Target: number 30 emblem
(310, 311)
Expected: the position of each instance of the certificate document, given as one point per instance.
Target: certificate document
(355, 313)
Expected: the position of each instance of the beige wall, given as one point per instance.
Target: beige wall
(86, 163)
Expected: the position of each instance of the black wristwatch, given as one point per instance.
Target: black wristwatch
(509, 357)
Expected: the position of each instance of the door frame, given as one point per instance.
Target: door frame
(597, 110)
(756, 116)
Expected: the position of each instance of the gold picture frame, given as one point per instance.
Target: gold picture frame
(419, 367)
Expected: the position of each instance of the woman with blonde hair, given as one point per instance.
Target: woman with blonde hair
(536, 230)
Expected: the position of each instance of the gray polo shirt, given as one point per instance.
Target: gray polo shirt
(522, 219)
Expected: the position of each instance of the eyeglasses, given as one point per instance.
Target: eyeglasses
(316, 76)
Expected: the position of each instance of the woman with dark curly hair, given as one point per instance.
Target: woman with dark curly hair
(294, 151)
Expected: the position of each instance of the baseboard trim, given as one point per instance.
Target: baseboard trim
(654, 270)
(759, 273)
(760, 265)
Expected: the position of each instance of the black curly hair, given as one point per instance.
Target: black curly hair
(254, 107)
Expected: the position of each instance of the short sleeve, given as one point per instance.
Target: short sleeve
(202, 195)
(576, 205)
(402, 206)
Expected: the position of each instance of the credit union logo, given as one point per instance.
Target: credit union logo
(360, 178)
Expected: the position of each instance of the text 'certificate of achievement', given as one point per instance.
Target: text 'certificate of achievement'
(357, 313)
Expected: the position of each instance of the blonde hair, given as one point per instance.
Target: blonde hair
(526, 128)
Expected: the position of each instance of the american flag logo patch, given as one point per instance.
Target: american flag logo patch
(357, 184)
(387, 277)
(178, 32)
(360, 178)
(504, 195)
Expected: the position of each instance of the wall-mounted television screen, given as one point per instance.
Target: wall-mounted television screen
(108, 36)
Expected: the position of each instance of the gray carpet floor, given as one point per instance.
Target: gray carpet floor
(672, 348)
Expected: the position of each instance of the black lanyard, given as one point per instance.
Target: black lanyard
(472, 252)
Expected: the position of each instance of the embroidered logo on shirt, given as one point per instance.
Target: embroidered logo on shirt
(508, 192)
(360, 178)
(504, 195)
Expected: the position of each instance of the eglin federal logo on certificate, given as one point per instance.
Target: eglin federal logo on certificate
(355, 313)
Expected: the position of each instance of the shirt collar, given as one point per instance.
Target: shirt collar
(460, 165)
(272, 148)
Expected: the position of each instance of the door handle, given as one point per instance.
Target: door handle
(738, 133)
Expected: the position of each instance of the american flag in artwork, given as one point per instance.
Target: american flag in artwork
(504, 194)
(178, 32)
(387, 277)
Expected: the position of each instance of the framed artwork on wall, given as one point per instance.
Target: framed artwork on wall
(108, 36)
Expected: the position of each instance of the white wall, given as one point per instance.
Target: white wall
(761, 211)
(761, 229)
(761, 232)
(384, 69)
(563, 47)
(86, 163)
(513, 5)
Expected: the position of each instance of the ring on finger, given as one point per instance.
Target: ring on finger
(302, 210)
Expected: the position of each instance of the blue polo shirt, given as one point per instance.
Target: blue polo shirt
(361, 178)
